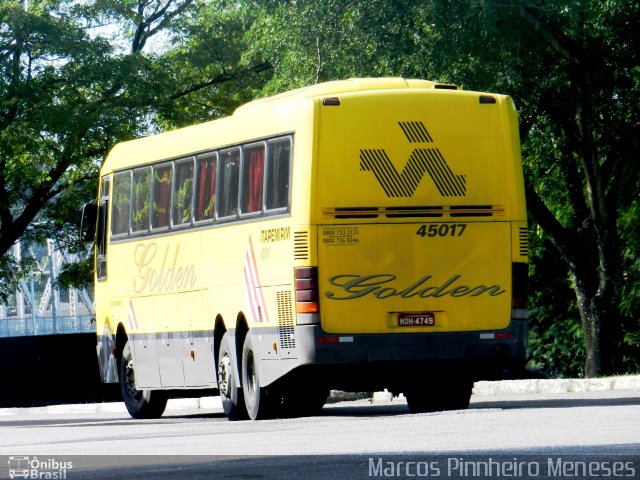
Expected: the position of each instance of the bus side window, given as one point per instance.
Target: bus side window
(183, 193)
(162, 176)
(101, 233)
(252, 178)
(207, 166)
(229, 182)
(121, 203)
(141, 199)
(278, 174)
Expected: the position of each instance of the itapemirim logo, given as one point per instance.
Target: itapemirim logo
(421, 160)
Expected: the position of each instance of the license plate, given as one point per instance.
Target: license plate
(422, 319)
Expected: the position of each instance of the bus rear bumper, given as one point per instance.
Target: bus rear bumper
(367, 361)
(371, 360)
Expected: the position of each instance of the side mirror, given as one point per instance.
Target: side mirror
(88, 222)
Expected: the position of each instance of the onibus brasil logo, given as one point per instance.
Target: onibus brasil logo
(422, 160)
(38, 468)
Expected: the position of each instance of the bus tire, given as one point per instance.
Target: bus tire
(304, 400)
(261, 403)
(139, 403)
(230, 394)
(442, 396)
(459, 395)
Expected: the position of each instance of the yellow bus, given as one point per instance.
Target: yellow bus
(354, 235)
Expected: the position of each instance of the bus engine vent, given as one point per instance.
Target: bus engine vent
(410, 212)
(524, 242)
(301, 245)
(473, 211)
(285, 320)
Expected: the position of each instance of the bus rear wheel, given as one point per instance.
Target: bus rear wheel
(304, 400)
(139, 403)
(444, 395)
(230, 394)
(261, 402)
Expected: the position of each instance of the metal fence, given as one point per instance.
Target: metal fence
(38, 306)
(29, 326)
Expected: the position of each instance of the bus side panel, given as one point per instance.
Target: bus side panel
(197, 347)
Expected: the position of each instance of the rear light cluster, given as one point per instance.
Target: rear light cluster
(520, 277)
(497, 336)
(307, 298)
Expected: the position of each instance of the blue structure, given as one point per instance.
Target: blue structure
(39, 306)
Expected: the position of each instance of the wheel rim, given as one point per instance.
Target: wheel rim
(251, 375)
(224, 373)
(130, 380)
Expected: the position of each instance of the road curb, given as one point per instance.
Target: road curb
(561, 385)
(518, 387)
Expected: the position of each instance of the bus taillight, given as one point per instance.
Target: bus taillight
(519, 278)
(306, 284)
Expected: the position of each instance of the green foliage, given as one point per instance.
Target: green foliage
(76, 275)
(556, 341)
(629, 224)
(309, 42)
(77, 77)
(204, 64)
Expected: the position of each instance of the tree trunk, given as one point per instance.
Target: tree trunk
(596, 294)
(591, 326)
(593, 263)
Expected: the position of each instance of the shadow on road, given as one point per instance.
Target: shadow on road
(363, 408)
(360, 408)
(399, 407)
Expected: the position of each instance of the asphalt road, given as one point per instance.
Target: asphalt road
(349, 440)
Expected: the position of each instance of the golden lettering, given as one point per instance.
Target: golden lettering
(161, 273)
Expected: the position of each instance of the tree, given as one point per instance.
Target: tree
(573, 69)
(75, 77)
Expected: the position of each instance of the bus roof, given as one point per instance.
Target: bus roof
(344, 86)
(278, 109)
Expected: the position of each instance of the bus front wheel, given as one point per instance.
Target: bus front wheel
(139, 403)
(230, 394)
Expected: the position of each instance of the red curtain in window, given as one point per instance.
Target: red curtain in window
(211, 191)
(206, 189)
(256, 173)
